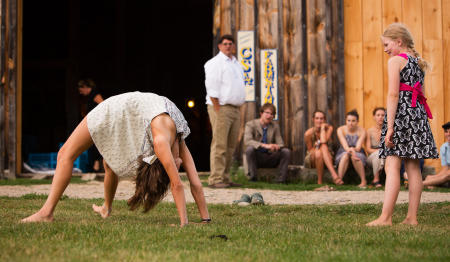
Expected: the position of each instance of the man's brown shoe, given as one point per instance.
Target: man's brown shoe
(219, 185)
(235, 184)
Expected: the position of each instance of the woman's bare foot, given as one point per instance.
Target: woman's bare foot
(338, 181)
(101, 210)
(380, 222)
(412, 222)
(37, 217)
(362, 185)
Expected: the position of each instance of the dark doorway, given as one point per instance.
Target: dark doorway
(147, 46)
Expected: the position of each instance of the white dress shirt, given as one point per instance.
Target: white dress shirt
(224, 80)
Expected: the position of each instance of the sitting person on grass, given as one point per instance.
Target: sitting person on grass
(264, 144)
(351, 137)
(444, 175)
(318, 144)
(373, 145)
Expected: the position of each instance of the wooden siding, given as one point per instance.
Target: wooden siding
(365, 62)
(308, 35)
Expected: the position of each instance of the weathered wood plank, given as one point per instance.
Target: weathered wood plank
(245, 19)
(294, 96)
(2, 84)
(216, 26)
(318, 56)
(12, 85)
(392, 13)
(446, 57)
(268, 24)
(433, 53)
(337, 104)
(353, 56)
(372, 60)
(226, 19)
(19, 88)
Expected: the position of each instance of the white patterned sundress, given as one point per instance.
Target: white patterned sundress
(120, 128)
(412, 133)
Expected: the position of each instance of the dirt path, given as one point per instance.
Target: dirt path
(94, 189)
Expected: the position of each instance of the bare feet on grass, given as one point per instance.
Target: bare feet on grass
(37, 217)
(362, 185)
(101, 210)
(409, 221)
(380, 222)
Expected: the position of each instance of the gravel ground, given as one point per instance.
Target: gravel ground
(125, 190)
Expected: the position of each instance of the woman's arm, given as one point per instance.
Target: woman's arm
(342, 140)
(361, 138)
(164, 132)
(368, 145)
(325, 133)
(194, 180)
(308, 140)
(394, 65)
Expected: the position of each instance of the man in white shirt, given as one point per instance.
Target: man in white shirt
(225, 93)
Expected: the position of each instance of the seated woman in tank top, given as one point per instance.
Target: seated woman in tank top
(318, 144)
(351, 137)
(373, 145)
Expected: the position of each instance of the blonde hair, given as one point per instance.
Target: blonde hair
(398, 31)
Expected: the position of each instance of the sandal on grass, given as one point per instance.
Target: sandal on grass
(377, 184)
(257, 199)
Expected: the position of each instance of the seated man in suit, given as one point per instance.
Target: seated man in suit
(264, 145)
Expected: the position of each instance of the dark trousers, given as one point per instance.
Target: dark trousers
(257, 159)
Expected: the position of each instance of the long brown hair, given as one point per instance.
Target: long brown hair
(397, 31)
(152, 183)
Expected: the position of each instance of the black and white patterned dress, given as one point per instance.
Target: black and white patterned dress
(412, 133)
(120, 128)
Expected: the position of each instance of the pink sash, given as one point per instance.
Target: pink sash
(417, 95)
(416, 92)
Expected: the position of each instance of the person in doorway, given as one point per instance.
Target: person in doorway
(264, 144)
(90, 98)
(319, 149)
(225, 93)
(138, 134)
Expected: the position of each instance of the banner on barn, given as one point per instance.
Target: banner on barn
(246, 57)
(269, 78)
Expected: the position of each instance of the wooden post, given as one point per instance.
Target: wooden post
(2, 87)
(337, 63)
(294, 84)
(318, 57)
(8, 87)
(245, 19)
(19, 88)
(12, 85)
(216, 26)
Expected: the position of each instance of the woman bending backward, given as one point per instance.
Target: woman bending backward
(138, 134)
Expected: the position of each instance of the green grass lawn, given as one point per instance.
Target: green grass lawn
(255, 233)
(29, 181)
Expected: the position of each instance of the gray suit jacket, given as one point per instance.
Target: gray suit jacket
(253, 134)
